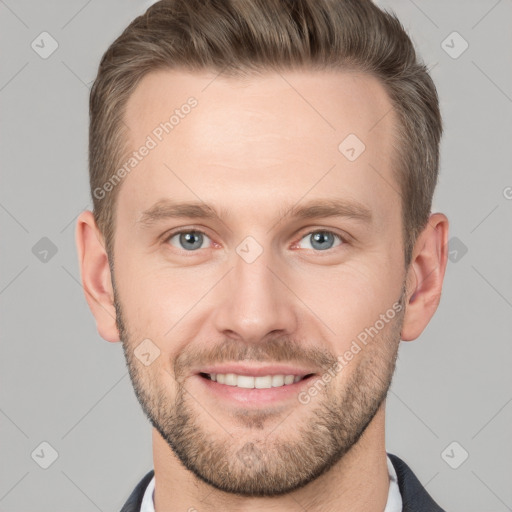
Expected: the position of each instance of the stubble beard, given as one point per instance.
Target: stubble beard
(279, 461)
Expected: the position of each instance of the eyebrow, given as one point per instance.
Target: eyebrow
(318, 208)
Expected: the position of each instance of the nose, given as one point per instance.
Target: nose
(254, 301)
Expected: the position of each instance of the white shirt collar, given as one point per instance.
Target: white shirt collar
(394, 503)
(148, 504)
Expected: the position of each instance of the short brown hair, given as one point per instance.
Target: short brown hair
(243, 37)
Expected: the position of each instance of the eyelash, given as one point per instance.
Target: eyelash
(344, 240)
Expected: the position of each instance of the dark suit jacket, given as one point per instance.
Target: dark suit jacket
(414, 497)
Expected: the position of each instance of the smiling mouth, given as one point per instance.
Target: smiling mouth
(254, 382)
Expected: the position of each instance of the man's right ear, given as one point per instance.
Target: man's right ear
(95, 275)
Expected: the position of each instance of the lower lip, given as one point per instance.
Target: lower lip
(255, 396)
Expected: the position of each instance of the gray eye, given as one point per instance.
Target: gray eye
(321, 240)
(188, 240)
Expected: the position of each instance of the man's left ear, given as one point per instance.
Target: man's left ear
(425, 276)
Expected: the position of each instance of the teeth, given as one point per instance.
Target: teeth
(250, 382)
(277, 380)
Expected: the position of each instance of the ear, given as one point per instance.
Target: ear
(425, 276)
(95, 275)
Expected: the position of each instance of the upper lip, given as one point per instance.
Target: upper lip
(256, 371)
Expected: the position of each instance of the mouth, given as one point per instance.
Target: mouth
(247, 381)
(252, 387)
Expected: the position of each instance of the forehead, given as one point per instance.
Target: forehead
(229, 140)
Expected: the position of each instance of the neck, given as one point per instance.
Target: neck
(359, 482)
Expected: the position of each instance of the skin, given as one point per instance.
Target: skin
(255, 148)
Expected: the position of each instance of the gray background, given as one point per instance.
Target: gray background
(63, 385)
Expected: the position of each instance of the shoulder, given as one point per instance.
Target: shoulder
(415, 498)
(134, 501)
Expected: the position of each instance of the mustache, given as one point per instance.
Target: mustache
(275, 350)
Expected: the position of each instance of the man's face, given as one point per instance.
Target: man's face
(260, 291)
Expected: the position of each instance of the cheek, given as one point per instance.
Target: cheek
(158, 301)
(348, 299)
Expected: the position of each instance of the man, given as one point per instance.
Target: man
(262, 175)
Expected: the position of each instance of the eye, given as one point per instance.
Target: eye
(321, 240)
(189, 240)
